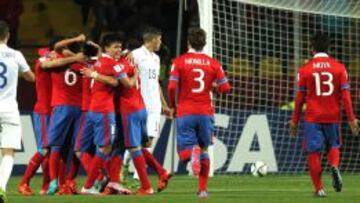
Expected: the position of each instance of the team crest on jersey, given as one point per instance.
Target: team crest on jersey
(118, 67)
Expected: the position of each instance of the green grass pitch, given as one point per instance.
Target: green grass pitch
(222, 189)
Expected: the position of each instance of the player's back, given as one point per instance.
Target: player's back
(66, 86)
(11, 62)
(197, 72)
(324, 80)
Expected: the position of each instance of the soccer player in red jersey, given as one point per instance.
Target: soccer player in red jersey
(101, 116)
(66, 109)
(323, 86)
(41, 116)
(195, 74)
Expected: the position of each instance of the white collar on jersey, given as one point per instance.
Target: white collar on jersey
(3, 45)
(321, 54)
(191, 50)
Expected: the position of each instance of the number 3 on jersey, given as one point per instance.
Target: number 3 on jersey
(200, 80)
(327, 82)
(3, 79)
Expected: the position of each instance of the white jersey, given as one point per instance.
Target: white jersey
(148, 64)
(11, 62)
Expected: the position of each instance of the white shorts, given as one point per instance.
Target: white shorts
(10, 130)
(153, 123)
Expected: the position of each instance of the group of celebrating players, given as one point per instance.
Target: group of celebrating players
(93, 103)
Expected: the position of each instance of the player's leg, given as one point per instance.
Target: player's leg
(10, 134)
(40, 125)
(60, 123)
(333, 142)
(104, 133)
(313, 140)
(204, 134)
(133, 127)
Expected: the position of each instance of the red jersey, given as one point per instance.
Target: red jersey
(322, 82)
(128, 99)
(195, 72)
(102, 95)
(42, 85)
(86, 83)
(66, 86)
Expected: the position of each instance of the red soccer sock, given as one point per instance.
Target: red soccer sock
(45, 168)
(204, 172)
(62, 171)
(114, 168)
(96, 164)
(74, 168)
(140, 165)
(315, 170)
(185, 155)
(151, 161)
(54, 165)
(333, 157)
(85, 159)
(33, 165)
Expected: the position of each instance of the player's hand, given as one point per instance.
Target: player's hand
(293, 128)
(81, 38)
(130, 58)
(80, 57)
(168, 112)
(354, 126)
(87, 71)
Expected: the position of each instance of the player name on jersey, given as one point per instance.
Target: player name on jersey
(197, 61)
(321, 65)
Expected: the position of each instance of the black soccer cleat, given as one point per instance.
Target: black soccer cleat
(336, 179)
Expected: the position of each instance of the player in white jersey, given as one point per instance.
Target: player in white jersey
(11, 63)
(148, 63)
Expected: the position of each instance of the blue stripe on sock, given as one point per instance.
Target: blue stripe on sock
(204, 155)
(136, 153)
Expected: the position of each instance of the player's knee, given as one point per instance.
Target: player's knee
(43, 151)
(8, 152)
(105, 150)
(78, 154)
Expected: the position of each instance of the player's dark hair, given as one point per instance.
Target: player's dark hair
(89, 50)
(197, 38)
(111, 38)
(54, 40)
(320, 42)
(4, 30)
(150, 33)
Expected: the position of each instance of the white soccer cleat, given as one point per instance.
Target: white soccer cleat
(90, 191)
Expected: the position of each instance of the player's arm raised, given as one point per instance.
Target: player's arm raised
(59, 62)
(58, 47)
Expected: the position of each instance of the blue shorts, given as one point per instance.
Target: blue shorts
(41, 125)
(64, 120)
(85, 136)
(194, 130)
(134, 128)
(318, 136)
(103, 127)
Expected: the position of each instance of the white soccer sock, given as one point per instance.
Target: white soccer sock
(6, 167)
(127, 157)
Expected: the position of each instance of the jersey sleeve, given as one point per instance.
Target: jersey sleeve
(120, 70)
(301, 80)
(344, 79)
(173, 80)
(23, 65)
(77, 66)
(300, 95)
(221, 80)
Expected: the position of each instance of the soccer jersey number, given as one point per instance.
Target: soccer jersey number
(200, 80)
(327, 82)
(70, 77)
(3, 79)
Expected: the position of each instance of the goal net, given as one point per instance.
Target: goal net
(261, 44)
